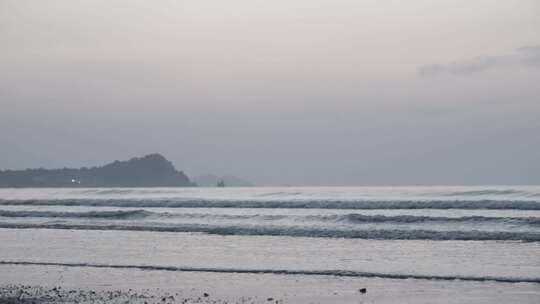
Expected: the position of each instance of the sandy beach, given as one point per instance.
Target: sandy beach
(52, 284)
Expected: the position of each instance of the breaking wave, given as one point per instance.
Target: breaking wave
(130, 214)
(292, 204)
(338, 273)
(359, 218)
(490, 192)
(351, 218)
(294, 231)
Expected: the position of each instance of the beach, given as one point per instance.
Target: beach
(96, 285)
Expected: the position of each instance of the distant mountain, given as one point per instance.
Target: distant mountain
(213, 180)
(152, 170)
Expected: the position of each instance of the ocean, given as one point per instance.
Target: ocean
(467, 244)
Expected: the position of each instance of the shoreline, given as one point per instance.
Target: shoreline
(58, 284)
(331, 273)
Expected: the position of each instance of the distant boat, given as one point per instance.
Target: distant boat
(210, 180)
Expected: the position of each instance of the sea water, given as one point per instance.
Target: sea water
(433, 234)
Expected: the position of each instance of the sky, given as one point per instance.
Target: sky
(296, 92)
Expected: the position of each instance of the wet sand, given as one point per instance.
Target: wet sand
(53, 284)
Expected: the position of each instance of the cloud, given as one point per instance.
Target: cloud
(522, 57)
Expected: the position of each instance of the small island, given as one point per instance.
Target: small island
(152, 170)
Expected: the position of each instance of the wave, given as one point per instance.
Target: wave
(352, 218)
(294, 231)
(488, 192)
(338, 273)
(444, 191)
(360, 218)
(289, 204)
(136, 214)
(119, 214)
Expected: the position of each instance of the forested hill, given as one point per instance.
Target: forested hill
(152, 170)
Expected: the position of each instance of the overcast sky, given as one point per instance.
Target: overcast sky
(296, 92)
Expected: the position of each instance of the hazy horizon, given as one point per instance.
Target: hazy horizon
(279, 93)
